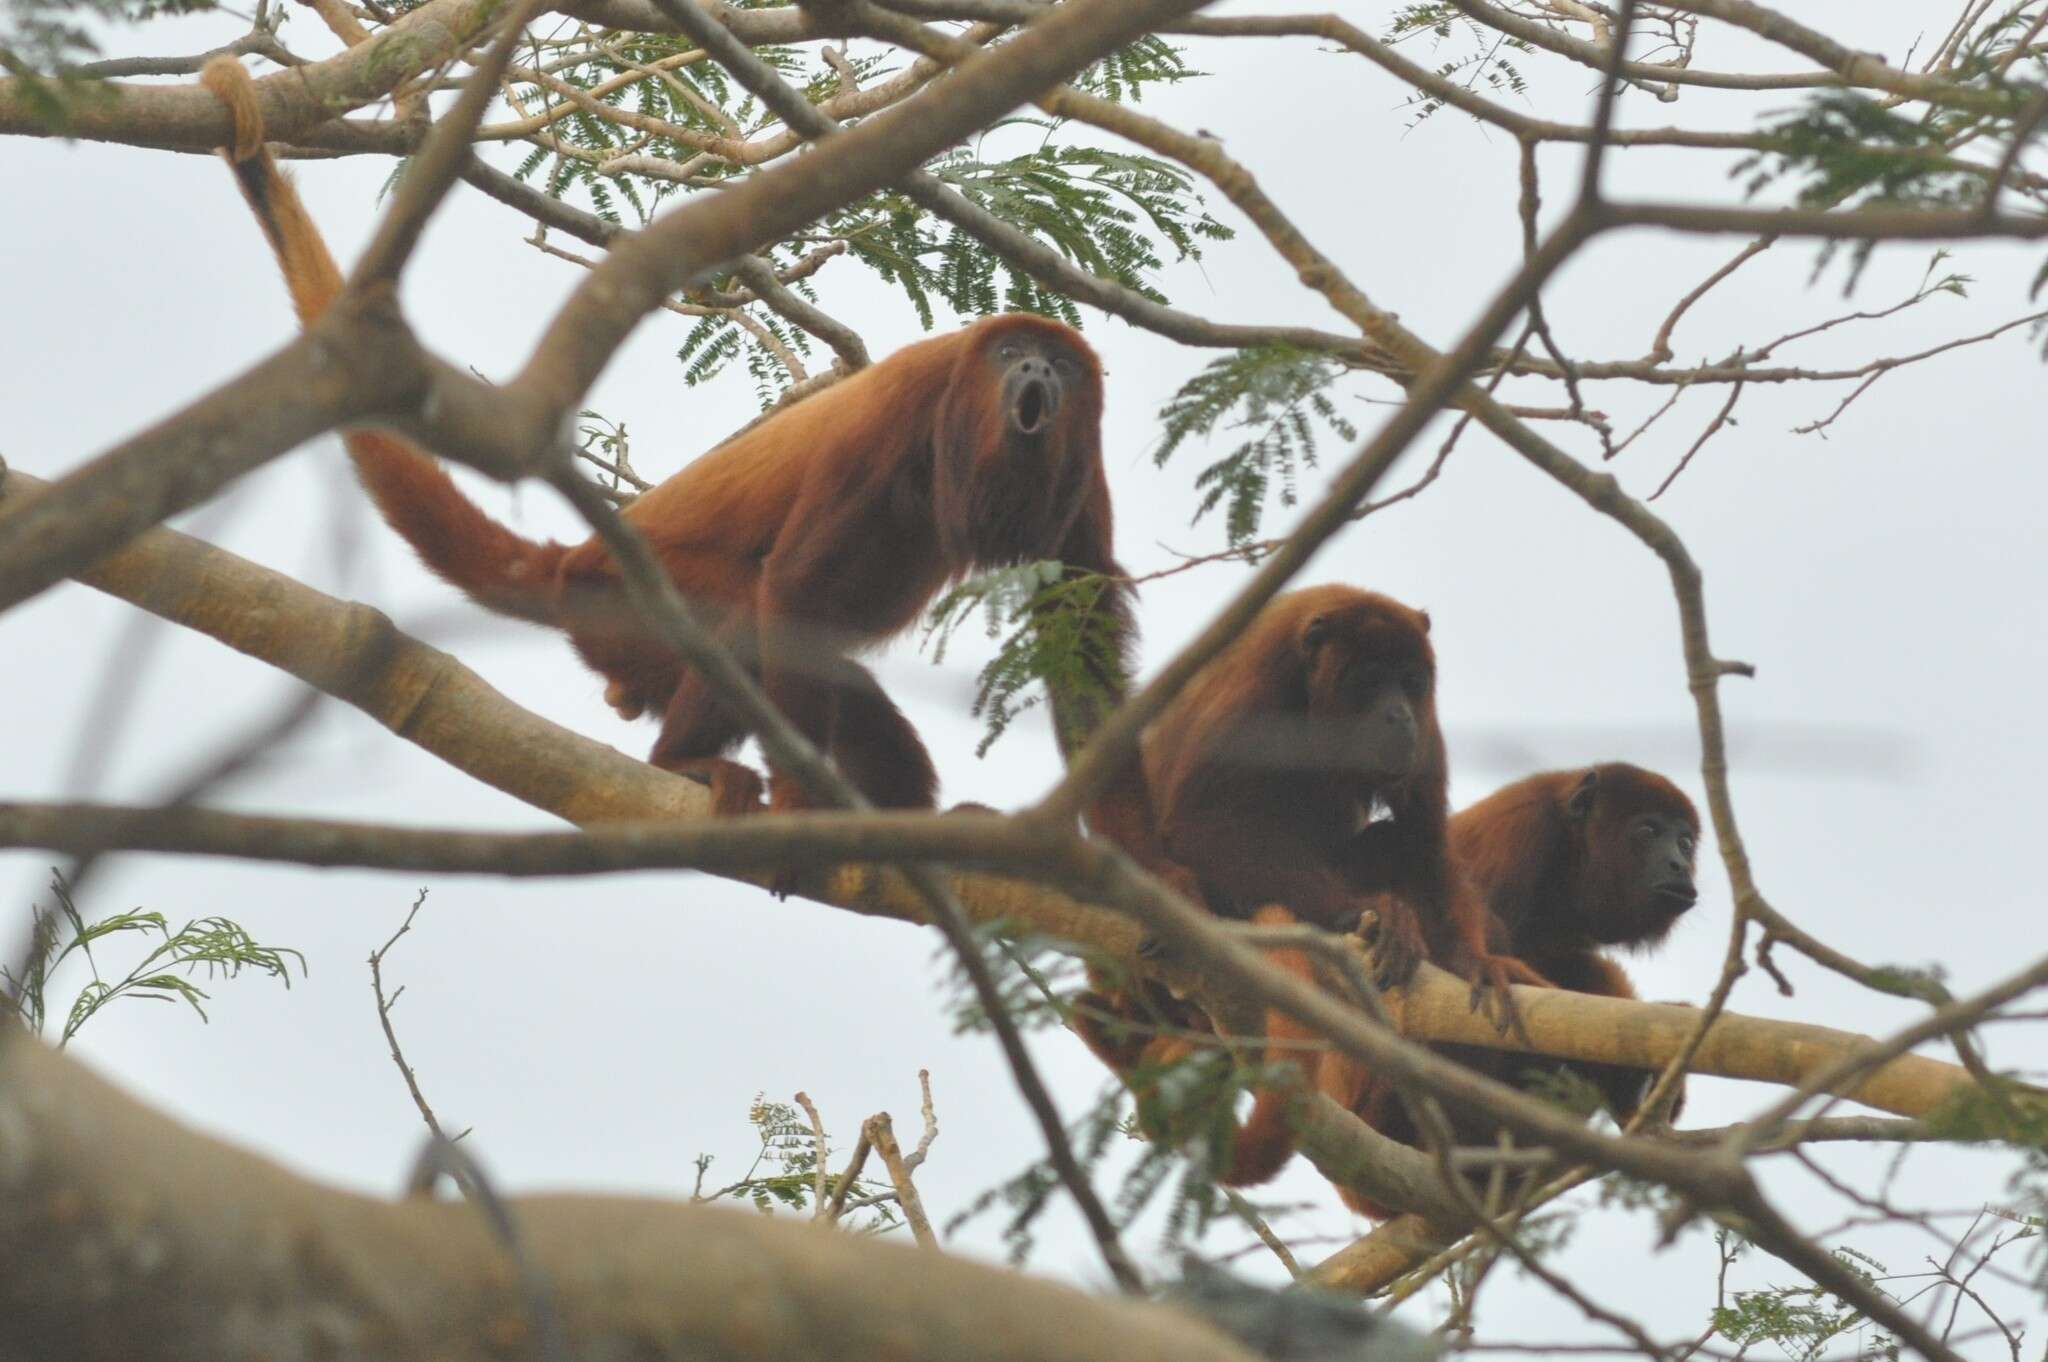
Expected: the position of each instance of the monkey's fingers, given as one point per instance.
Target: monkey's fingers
(1393, 966)
(1490, 995)
(1397, 942)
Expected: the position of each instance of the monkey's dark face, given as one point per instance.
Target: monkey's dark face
(1017, 441)
(1642, 860)
(1036, 376)
(1371, 689)
(1660, 862)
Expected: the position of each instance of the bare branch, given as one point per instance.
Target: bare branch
(879, 1131)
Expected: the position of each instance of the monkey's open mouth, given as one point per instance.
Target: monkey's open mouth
(1034, 408)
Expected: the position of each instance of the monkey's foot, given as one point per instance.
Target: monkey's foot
(1491, 977)
(735, 789)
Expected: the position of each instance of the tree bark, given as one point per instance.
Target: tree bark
(125, 1237)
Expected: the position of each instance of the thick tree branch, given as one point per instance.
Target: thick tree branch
(1563, 1024)
(200, 1251)
(188, 118)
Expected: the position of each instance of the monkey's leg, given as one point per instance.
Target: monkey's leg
(696, 732)
(877, 748)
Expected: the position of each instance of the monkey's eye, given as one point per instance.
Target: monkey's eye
(1007, 351)
(1644, 830)
(1068, 367)
(1416, 682)
(1686, 842)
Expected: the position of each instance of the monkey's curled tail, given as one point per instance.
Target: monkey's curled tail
(451, 533)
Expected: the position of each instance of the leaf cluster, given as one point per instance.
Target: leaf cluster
(1058, 632)
(783, 1173)
(1843, 149)
(1487, 63)
(1279, 398)
(1121, 77)
(1804, 1320)
(216, 946)
(1112, 213)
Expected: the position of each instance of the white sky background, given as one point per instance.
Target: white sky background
(599, 1034)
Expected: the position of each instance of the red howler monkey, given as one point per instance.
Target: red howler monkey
(1573, 861)
(824, 528)
(1301, 776)
(1568, 862)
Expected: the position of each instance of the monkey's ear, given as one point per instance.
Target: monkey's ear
(1423, 615)
(1315, 633)
(1579, 805)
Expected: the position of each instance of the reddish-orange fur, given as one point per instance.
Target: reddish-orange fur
(1559, 887)
(1255, 797)
(825, 528)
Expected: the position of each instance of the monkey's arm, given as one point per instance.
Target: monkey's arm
(1123, 812)
(1472, 950)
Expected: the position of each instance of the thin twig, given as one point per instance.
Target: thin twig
(1720, 420)
(384, 1006)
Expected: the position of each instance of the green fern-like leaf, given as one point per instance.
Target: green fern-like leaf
(1278, 397)
(1123, 74)
(1057, 637)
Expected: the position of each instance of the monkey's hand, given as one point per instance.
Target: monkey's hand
(622, 702)
(1393, 931)
(1490, 976)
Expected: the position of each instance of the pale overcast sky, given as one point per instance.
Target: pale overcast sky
(1885, 580)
